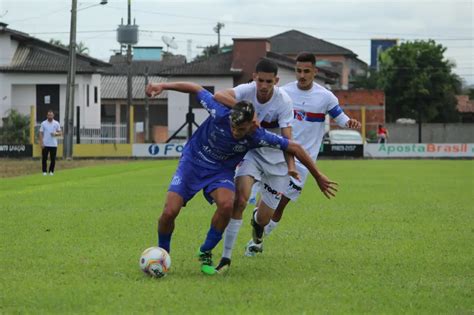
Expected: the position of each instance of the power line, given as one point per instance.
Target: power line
(240, 35)
(39, 16)
(261, 24)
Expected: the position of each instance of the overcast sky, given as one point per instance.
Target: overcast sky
(350, 24)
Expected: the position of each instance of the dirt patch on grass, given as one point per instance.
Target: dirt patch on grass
(20, 167)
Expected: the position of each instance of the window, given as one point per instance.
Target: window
(96, 95)
(192, 97)
(87, 95)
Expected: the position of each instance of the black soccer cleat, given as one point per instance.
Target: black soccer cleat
(223, 265)
(257, 230)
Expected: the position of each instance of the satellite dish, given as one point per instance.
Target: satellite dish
(170, 43)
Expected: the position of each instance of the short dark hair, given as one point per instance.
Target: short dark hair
(267, 66)
(242, 112)
(305, 56)
(50, 111)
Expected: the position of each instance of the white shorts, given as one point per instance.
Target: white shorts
(272, 186)
(293, 190)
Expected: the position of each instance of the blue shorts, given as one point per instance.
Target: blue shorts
(190, 178)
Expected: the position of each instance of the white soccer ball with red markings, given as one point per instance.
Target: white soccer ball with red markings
(155, 262)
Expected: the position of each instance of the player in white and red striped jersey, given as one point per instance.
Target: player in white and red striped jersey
(311, 103)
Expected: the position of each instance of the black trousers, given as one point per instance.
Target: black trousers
(52, 153)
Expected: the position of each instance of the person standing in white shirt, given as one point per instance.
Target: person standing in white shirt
(48, 133)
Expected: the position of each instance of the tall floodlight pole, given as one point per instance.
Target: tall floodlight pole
(71, 81)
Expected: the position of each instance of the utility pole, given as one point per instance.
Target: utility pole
(129, 74)
(71, 82)
(217, 29)
(128, 35)
(71, 77)
(147, 111)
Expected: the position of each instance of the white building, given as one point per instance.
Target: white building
(34, 73)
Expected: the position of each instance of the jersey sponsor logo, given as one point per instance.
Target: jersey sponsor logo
(176, 180)
(308, 116)
(294, 186)
(275, 193)
(239, 148)
(265, 143)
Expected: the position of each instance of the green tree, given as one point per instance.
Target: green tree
(81, 47)
(369, 81)
(416, 77)
(16, 128)
(211, 51)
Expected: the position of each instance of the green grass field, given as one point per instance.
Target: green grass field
(397, 239)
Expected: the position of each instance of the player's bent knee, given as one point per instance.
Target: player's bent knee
(169, 213)
(240, 203)
(226, 208)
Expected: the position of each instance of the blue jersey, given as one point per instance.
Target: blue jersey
(213, 146)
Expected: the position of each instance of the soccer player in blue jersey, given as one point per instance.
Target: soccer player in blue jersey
(208, 163)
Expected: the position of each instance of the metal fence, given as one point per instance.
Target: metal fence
(107, 133)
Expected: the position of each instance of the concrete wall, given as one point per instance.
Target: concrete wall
(431, 133)
(286, 76)
(18, 91)
(7, 49)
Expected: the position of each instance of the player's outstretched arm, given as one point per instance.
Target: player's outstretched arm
(327, 187)
(154, 89)
(226, 97)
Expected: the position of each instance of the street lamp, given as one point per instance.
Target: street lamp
(71, 77)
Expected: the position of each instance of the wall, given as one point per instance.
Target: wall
(286, 76)
(7, 49)
(245, 55)
(13, 87)
(344, 80)
(351, 102)
(431, 133)
(178, 102)
(23, 96)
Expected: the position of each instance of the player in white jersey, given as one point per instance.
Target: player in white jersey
(311, 103)
(267, 166)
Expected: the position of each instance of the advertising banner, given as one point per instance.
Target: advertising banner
(157, 150)
(353, 150)
(16, 150)
(435, 150)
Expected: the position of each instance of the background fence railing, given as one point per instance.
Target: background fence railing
(107, 133)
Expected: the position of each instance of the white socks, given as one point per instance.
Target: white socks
(270, 226)
(230, 235)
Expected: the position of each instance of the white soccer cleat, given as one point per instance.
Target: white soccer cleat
(251, 249)
(44, 174)
(51, 174)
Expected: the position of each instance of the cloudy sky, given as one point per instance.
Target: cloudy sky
(350, 24)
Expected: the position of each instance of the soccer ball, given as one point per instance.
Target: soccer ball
(155, 262)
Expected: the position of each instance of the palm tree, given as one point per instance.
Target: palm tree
(81, 47)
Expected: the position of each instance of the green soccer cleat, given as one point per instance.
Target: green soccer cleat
(206, 263)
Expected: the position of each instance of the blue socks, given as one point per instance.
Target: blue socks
(164, 241)
(212, 239)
